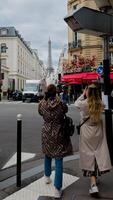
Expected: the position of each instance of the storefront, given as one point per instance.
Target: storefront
(79, 80)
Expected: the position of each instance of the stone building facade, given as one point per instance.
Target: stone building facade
(18, 61)
(85, 45)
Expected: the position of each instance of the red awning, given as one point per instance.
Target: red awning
(90, 77)
(111, 77)
(72, 78)
(80, 78)
(75, 82)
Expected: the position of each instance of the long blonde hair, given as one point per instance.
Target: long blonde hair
(94, 103)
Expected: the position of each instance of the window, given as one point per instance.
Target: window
(111, 40)
(111, 57)
(75, 37)
(18, 50)
(3, 48)
(3, 62)
(75, 57)
(3, 31)
(18, 83)
(75, 7)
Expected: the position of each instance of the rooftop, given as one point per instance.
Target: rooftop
(12, 32)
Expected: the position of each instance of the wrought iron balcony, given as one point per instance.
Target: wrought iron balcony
(74, 44)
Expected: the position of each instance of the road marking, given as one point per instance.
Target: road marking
(24, 157)
(18, 102)
(39, 188)
(10, 102)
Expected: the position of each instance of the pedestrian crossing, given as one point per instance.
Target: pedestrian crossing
(17, 102)
(24, 103)
(39, 188)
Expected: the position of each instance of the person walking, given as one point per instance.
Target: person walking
(8, 93)
(65, 96)
(94, 154)
(54, 144)
(112, 93)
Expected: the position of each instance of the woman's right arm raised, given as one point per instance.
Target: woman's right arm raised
(80, 101)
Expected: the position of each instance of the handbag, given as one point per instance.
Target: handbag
(68, 126)
(78, 126)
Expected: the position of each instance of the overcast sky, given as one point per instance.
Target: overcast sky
(36, 21)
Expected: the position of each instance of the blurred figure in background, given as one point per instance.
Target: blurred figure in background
(64, 96)
(8, 93)
(112, 92)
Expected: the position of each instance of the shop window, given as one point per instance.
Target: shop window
(3, 31)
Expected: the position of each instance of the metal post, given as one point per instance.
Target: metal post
(107, 93)
(0, 74)
(19, 136)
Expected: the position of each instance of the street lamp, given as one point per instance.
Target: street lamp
(90, 21)
(3, 48)
(107, 7)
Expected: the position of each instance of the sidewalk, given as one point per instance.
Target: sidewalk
(75, 186)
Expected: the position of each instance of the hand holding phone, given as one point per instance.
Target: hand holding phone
(85, 92)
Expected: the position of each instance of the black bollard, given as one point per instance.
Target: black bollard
(19, 136)
(109, 131)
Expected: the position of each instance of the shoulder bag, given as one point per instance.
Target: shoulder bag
(68, 126)
(78, 126)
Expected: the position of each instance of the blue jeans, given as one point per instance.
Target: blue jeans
(58, 170)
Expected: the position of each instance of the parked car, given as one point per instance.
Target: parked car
(17, 95)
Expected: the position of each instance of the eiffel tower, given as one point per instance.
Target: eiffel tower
(49, 64)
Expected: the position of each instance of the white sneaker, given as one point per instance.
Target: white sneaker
(47, 179)
(57, 193)
(94, 190)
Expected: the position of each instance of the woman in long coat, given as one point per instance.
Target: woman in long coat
(54, 144)
(94, 154)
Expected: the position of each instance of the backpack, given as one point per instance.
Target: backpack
(68, 126)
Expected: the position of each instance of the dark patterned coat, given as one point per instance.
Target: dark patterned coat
(54, 143)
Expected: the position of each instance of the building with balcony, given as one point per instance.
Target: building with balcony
(80, 44)
(85, 52)
(18, 61)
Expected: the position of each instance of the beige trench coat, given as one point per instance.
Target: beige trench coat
(92, 142)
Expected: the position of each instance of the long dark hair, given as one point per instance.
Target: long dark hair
(50, 92)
